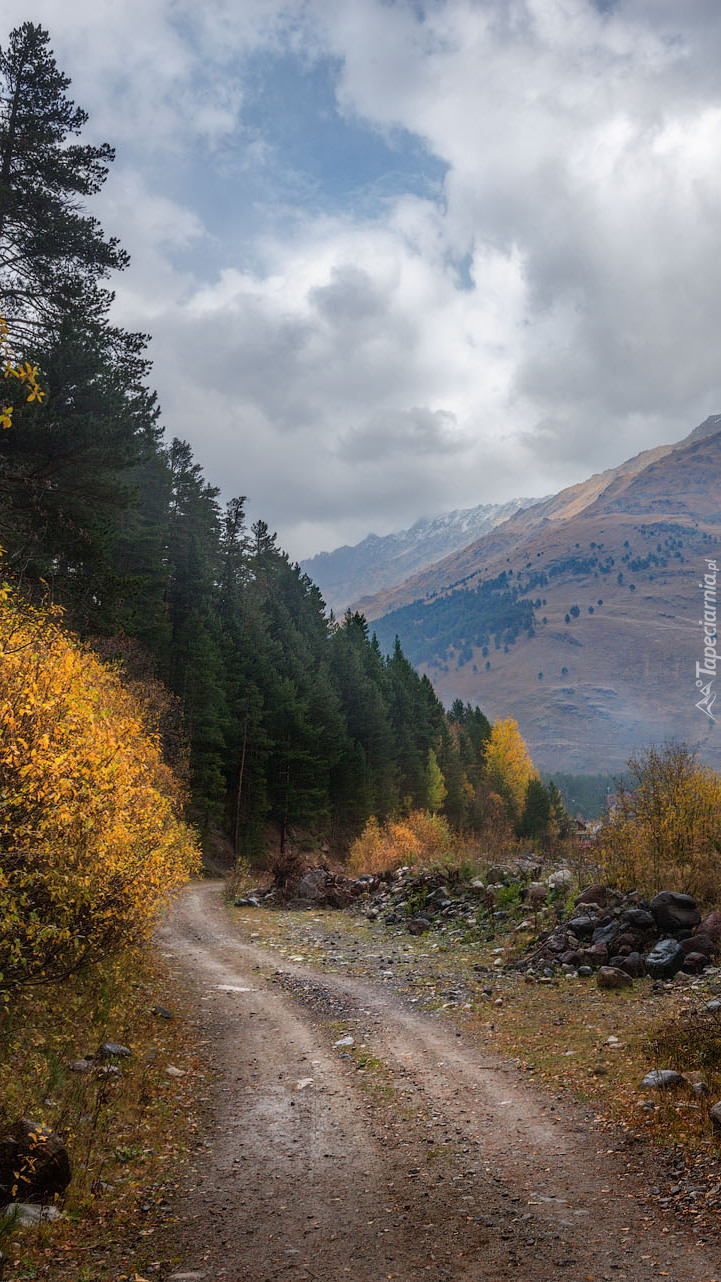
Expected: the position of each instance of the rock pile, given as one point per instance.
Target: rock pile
(631, 935)
(420, 900)
(316, 887)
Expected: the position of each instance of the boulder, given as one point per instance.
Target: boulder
(626, 940)
(632, 963)
(694, 963)
(611, 977)
(698, 943)
(34, 1163)
(28, 1215)
(312, 884)
(606, 934)
(418, 925)
(711, 926)
(672, 911)
(639, 919)
(715, 1114)
(662, 1079)
(582, 926)
(593, 895)
(665, 959)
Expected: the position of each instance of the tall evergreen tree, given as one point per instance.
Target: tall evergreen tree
(52, 253)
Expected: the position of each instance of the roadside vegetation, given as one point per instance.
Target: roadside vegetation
(129, 1125)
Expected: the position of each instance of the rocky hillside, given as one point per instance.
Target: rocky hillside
(381, 562)
(580, 616)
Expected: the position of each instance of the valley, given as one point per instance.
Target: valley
(611, 570)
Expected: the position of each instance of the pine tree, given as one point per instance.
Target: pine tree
(68, 475)
(52, 254)
(536, 816)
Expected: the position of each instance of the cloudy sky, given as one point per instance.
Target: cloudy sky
(401, 256)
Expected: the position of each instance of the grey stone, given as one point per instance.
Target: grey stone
(715, 1113)
(661, 1079)
(700, 1089)
(113, 1050)
(606, 934)
(312, 884)
(27, 1215)
(418, 925)
(81, 1066)
(585, 971)
(665, 959)
(162, 1012)
(561, 879)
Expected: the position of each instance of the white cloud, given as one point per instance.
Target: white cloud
(553, 310)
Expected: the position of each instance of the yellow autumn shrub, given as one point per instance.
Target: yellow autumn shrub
(91, 835)
(419, 838)
(664, 832)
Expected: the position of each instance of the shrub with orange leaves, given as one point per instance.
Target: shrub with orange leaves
(419, 838)
(91, 835)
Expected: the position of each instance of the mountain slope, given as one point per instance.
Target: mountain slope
(579, 616)
(380, 562)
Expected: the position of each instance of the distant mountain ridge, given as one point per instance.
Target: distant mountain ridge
(382, 561)
(580, 615)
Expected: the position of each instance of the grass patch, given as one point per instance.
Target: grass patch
(126, 1135)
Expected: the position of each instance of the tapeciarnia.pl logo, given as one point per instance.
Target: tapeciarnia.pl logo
(706, 671)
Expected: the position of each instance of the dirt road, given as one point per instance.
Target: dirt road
(408, 1153)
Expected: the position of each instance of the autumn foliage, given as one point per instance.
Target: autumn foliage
(91, 835)
(665, 830)
(418, 838)
(509, 768)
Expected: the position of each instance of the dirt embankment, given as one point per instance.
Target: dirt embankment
(406, 1153)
